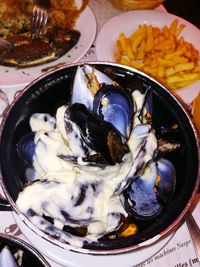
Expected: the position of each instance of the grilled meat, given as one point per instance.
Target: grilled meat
(27, 52)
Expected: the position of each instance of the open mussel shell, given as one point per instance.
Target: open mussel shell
(52, 90)
(15, 252)
(26, 148)
(151, 191)
(81, 84)
(100, 135)
(113, 104)
(100, 95)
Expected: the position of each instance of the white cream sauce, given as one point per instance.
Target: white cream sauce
(75, 194)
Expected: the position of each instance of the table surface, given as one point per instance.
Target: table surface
(189, 10)
(179, 251)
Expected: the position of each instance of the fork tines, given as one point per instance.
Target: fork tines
(38, 21)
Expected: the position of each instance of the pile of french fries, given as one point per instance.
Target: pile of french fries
(161, 53)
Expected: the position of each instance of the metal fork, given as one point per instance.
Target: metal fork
(39, 18)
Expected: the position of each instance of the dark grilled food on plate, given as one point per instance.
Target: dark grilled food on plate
(26, 52)
(60, 35)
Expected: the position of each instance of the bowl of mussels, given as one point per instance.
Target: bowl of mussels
(99, 158)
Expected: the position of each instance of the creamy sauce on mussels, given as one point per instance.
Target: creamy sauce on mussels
(80, 195)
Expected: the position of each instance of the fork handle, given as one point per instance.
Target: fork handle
(44, 3)
(194, 232)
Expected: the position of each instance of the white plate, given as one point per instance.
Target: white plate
(128, 22)
(10, 76)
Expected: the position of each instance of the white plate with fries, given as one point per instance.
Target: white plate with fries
(163, 45)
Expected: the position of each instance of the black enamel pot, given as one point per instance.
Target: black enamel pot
(46, 94)
(21, 252)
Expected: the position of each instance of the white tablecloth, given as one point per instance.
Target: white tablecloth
(179, 252)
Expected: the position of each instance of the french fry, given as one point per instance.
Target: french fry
(139, 31)
(165, 63)
(160, 72)
(156, 32)
(154, 63)
(117, 55)
(129, 51)
(149, 39)
(196, 69)
(122, 41)
(173, 26)
(141, 53)
(184, 66)
(124, 61)
(182, 83)
(137, 64)
(169, 71)
(183, 77)
(161, 53)
(181, 41)
(166, 31)
(180, 29)
(179, 68)
(149, 70)
(178, 52)
(178, 60)
(136, 42)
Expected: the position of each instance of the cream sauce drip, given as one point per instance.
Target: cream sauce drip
(79, 194)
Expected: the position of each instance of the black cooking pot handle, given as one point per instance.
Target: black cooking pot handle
(4, 205)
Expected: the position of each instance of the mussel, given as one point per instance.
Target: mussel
(104, 98)
(6, 258)
(26, 148)
(87, 82)
(98, 134)
(151, 191)
(15, 253)
(113, 104)
(26, 144)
